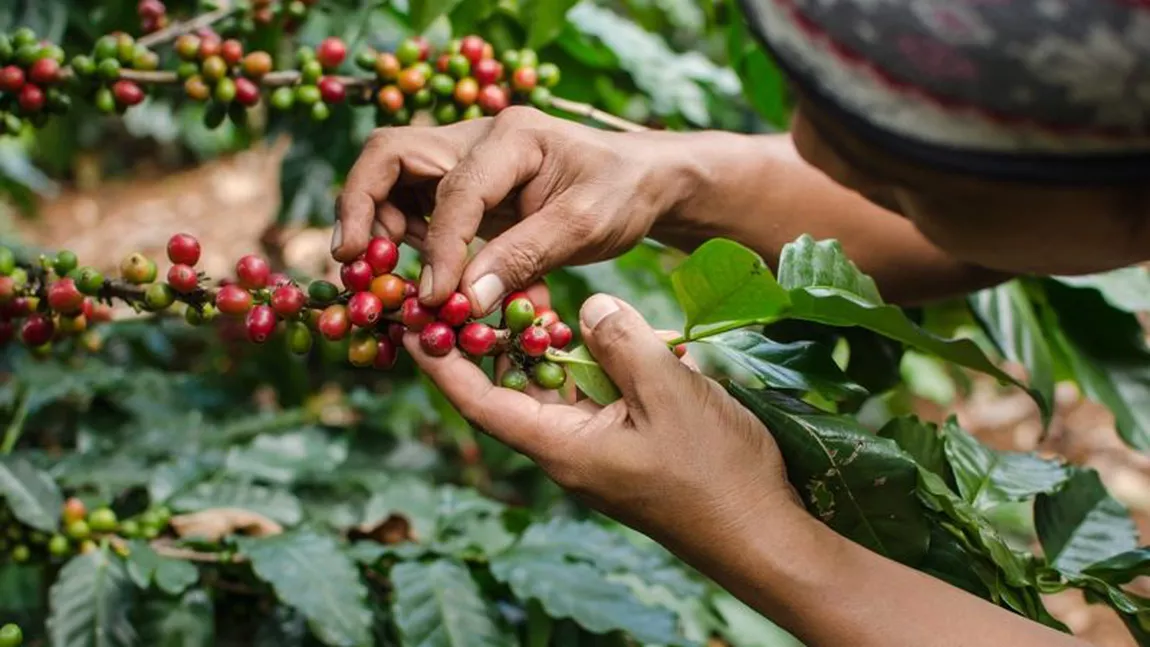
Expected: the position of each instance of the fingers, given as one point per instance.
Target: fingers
(631, 353)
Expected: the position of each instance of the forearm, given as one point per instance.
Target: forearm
(830, 592)
(758, 191)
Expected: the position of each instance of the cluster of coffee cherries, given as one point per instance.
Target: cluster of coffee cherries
(30, 77)
(218, 70)
(51, 301)
(99, 73)
(79, 532)
(318, 89)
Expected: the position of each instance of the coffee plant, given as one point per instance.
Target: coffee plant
(249, 459)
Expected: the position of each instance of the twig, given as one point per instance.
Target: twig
(165, 549)
(591, 112)
(177, 29)
(15, 428)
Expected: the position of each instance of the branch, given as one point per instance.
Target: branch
(175, 30)
(591, 112)
(165, 549)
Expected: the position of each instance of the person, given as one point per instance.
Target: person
(948, 145)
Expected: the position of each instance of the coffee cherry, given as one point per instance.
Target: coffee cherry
(102, 520)
(561, 334)
(528, 58)
(87, 547)
(386, 352)
(299, 338)
(549, 375)
(456, 310)
(187, 47)
(472, 48)
(519, 314)
(64, 297)
(74, 510)
(493, 99)
(390, 99)
(11, 79)
(524, 79)
(356, 275)
(225, 90)
(387, 67)
(214, 68)
(424, 47)
(408, 52)
(183, 278)
(331, 53)
(416, 316)
(446, 113)
(233, 300)
(260, 323)
(472, 112)
(257, 64)
(138, 269)
(45, 71)
(540, 98)
(411, 80)
(184, 249)
(382, 255)
(108, 69)
(437, 339)
(58, 546)
(64, 262)
(127, 93)
(334, 323)
(362, 349)
(331, 90)
(458, 66)
(232, 51)
(477, 339)
(548, 75)
(7, 261)
(196, 89)
(288, 301)
(7, 289)
(247, 93)
(466, 91)
(443, 64)
(145, 59)
(252, 272)
(364, 309)
(322, 292)
(159, 296)
(534, 341)
(545, 317)
(31, 98)
(514, 379)
(78, 530)
(395, 332)
(21, 554)
(37, 330)
(283, 98)
(487, 71)
(70, 326)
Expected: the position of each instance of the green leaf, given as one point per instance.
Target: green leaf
(275, 504)
(723, 282)
(31, 494)
(764, 85)
(588, 375)
(1082, 524)
(1009, 318)
(287, 457)
(90, 602)
(424, 12)
(16, 580)
(172, 576)
(798, 366)
(437, 604)
(806, 263)
(1127, 288)
(860, 485)
(987, 478)
(412, 498)
(311, 572)
(949, 560)
(188, 621)
(924, 442)
(1123, 567)
(544, 19)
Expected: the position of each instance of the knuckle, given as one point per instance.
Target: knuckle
(523, 260)
(514, 116)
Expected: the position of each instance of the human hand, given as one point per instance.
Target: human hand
(677, 457)
(544, 192)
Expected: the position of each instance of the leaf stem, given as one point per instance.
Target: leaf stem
(692, 336)
(15, 428)
(539, 625)
(175, 30)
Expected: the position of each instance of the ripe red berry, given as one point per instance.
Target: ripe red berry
(288, 300)
(183, 278)
(410, 289)
(493, 99)
(437, 339)
(390, 99)
(252, 272)
(232, 51)
(524, 79)
(364, 309)
(96, 312)
(680, 351)
(331, 53)
(331, 90)
(209, 46)
(560, 334)
(416, 316)
(45, 71)
(37, 330)
(395, 332)
(31, 98)
(356, 275)
(534, 341)
(65, 298)
(382, 255)
(11, 79)
(127, 93)
(477, 339)
(247, 92)
(386, 352)
(544, 318)
(472, 48)
(276, 279)
(150, 9)
(233, 300)
(487, 71)
(333, 322)
(184, 249)
(442, 63)
(456, 310)
(261, 323)
(390, 289)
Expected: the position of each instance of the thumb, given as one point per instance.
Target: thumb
(628, 349)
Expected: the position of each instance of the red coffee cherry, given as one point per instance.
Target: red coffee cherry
(390, 289)
(37, 330)
(11, 79)
(364, 309)
(232, 51)
(7, 289)
(45, 71)
(184, 249)
(382, 255)
(487, 71)
(424, 47)
(260, 323)
(534, 341)
(395, 332)
(680, 351)
(247, 92)
(560, 333)
(472, 48)
(65, 298)
(252, 272)
(127, 93)
(493, 99)
(333, 322)
(390, 99)
(183, 278)
(524, 79)
(356, 275)
(233, 300)
(331, 53)
(416, 316)
(209, 46)
(544, 318)
(331, 90)
(386, 352)
(456, 310)
(288, 300)
(150, 9)
(31, 98)
(276, 279)
(437, 339)
(477, 339)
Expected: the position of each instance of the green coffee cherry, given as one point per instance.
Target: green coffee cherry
(442, 85)
(105, 100)
(21, 554)
(65, 262)
(311, 71)
(549, 375)
(130, 528)
(514, 379)
(283, 98)
(307, 95)
(89, 281)
(540, 97)
(548, 74)
(106, 48)
(159, 296)
(299, 338)
(322, 292)
(58, 546)
(84, 66)
(11, 636)
(109, 69)
(104, 519)
(7, 261)
(519, 314)
(320, 111)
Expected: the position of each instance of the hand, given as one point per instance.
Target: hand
(544, 192)
(677, 457)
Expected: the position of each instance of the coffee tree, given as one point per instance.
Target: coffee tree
(249, 459)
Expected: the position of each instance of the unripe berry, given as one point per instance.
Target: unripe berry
(456, 310)
(322, 292)
(518, 294)
(70, 326)
(331, 53)
(549, 375)
(21, 554)
(187, 47)
(37, 330)
(7, 261)
(260, 323)
(127, 93)
(11, 78)
(210, 46)
(103, 520)
(458, 66)
(109, 69)
(87, 547)
(78, 530)
(214, 68)
(64, 297)
(548, 75)
(233, 300)
(31, 98)
(387, 67)
(386, 352)
(443, 64)
(196, 89)
(232, 51)
(159, 296)
(364, 309)
(466, 92)
(472, 48)
(524, 79)
(390, 99)
(257, 64)
(362, 349)
(411, 80)
(534, 341)
(493, 99)
(90, 281)
(560, 333)
(247, 92)
(58, 546)
(183, 278)
(477, 339)
(415, 315)
(64, 262)
(446, 113)
(382, 255)
(283, 98)
(252, 272)
(334, 323)
(97, 312)
(437, 339)
(540, 98)
(514, 379)
(528, 58)
(288, 301)
(299, 338)
(225, 90)
(310, 72)
(424, 47)
(45, 71)
(408, 52)
(356, 275)
(519, 314)
(73, 510)
(138, 269)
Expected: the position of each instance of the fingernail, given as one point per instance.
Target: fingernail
(488, 290)
(336, 236)
(595, 309)
(426, 283)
